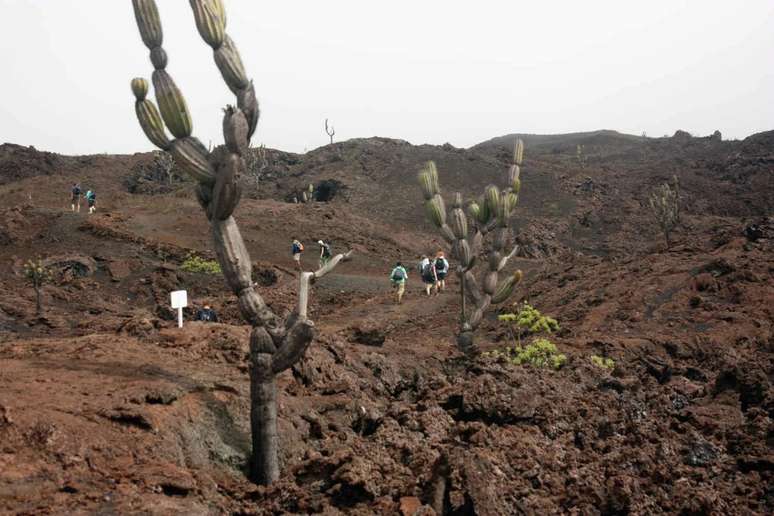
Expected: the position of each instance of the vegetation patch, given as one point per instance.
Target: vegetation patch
(199, 265)
(528, 320)
(541, 353)
(603, 362)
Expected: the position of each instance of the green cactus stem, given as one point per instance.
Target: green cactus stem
(230, 65)
(192, 156)
(459, 223)
(506, 288)
(139, 88)
(518, 152)
(235, 130)
(436, 210)
(151, 123)
(147, 15)
(172, 105)
(492, 199)
(211, 27)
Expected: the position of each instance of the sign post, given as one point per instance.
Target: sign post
(179, 300)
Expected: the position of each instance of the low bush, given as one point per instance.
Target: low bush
(540, 353)
(200, 265)
(528, 320)
(603, 362)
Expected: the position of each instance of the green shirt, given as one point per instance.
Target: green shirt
(394, 271)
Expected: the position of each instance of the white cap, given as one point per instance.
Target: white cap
(320, 242)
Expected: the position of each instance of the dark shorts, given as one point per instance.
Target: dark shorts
(442, 275)
(428, 279)
(91, 202)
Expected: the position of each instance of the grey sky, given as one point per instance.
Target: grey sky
(428, 72)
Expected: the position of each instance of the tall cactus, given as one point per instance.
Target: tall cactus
(275, 344)
(665, 203)
(465, 234)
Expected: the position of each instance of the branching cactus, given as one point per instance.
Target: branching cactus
(665, 204)
(466, 234)
(37, 274)
(329, 130)
(275, 344)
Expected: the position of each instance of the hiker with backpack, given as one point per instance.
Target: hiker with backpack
(91, 199)
(75, 199)
(297, 248)
(441, 270)
(325, 253)
(429, 275)
(398, 278)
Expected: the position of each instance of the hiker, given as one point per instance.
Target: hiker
(91, 200)
(429, 275)
(75, 200)
(297, 248)
(398, 278)
(206, 314)
(325, 253)
(441, 270)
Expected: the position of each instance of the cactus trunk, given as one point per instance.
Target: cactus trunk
(264, 466)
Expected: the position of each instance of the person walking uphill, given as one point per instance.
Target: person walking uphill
(325, 253)
(441, 270)
(398, 278)
(91, 200)
(297, 248)
(429, 274)
(75, 199)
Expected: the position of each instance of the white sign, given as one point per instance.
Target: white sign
(179, 300)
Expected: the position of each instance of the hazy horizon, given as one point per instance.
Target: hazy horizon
(426, 73)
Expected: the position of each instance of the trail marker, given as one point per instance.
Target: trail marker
(179, 300)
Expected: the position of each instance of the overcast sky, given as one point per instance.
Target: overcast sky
(426, 71)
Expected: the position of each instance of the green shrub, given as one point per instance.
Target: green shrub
(603, 362)
(540, 353)
(199, 265)
(528, 320)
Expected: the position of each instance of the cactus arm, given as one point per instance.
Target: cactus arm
(472, 290)
(309, 278)
(172, 107)
(296, 342)
(301, 332)
(504, 261)
(210, 20)
(148, 115)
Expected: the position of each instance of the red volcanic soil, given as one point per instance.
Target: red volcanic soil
(106, 407)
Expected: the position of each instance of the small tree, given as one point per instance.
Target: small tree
(275, 343)
(329, 131)
(37, 274)
(465, 235)
(665, 203)
(164, 165)
(256, 161)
